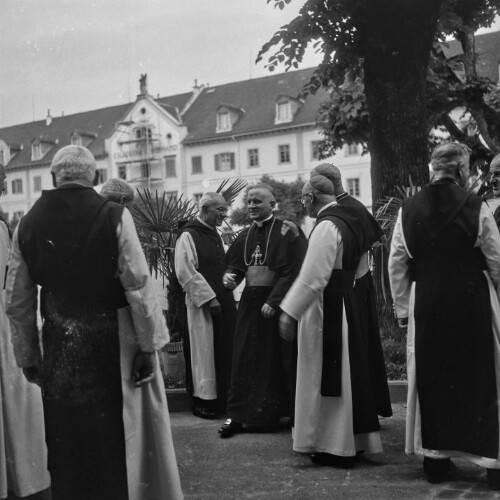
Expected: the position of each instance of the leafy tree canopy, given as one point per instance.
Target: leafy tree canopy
(353, 33)
(286, 193)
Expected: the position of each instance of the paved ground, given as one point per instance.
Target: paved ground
(259, 466)
(263, 466)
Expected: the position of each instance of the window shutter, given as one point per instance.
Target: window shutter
(232, 160)
(217, 161)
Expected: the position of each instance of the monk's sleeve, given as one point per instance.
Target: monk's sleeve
(186, 262)
(489, 242)
(296, 249)
(21, 296)
(133, 271)
(399, 270)
(316, 269)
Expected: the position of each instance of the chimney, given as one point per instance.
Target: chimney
(48, 119)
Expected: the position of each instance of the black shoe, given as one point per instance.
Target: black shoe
(202, 412)
(230, 428)
(493, 478)
(437, 470)
(332, 460)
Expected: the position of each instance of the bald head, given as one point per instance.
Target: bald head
(211, 199)
(260, 202)
(332, 173)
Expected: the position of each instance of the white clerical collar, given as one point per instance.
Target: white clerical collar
(204, 223)
(331, 204)
(259, 223)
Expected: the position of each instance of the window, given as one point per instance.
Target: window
(17, 186)
(103, 175)
(145, 171)
(351, 150)
(283, 112)
(196, 165)
(170, 195)
(143, 132)
(36, 151)
(353, 187)
(315, 149)
(253, 157)
(37, 183)
(284, 153)
(170, 166)
(122, 172)
(76, 139)
(224, 162)
(223, 121)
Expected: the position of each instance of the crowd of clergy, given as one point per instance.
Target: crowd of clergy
(82, 403)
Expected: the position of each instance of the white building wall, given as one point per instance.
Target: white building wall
(300, 165)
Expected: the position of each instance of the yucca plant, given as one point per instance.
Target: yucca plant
(157, 218)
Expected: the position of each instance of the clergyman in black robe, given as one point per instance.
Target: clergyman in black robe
(268, 256)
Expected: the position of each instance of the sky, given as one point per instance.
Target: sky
(77, 55)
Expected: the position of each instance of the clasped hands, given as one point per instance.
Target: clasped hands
(143, 370)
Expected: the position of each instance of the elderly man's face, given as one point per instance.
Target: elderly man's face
(215, 213)
(307, 200)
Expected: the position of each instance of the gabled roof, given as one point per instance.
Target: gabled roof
(258, 98)
(101, 122)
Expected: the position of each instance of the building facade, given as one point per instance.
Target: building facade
(186, 143)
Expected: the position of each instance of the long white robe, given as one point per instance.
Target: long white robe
(23, 454)
(403, 293)
(201, 331)
(322, 424)
(152, 471)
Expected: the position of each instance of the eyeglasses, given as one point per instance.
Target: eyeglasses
(222, 210)
(302, 199)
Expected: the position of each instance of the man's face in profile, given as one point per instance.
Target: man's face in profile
(495, 184)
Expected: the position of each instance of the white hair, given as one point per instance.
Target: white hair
(73, 163)
(117, 190)
(210, 199)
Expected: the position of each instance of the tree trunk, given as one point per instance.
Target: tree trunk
(399, 36)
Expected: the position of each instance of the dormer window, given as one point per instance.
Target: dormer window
(36, 151)
(76, 139)
(286, 107)
(223, 121)
(283, 112)
(227, 117)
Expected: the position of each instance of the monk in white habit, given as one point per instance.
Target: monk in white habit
(23, 454)
(107, 425)
(335, 409)
(211, 310)
(443, 265)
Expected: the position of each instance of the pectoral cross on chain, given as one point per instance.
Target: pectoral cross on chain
(257, 256)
